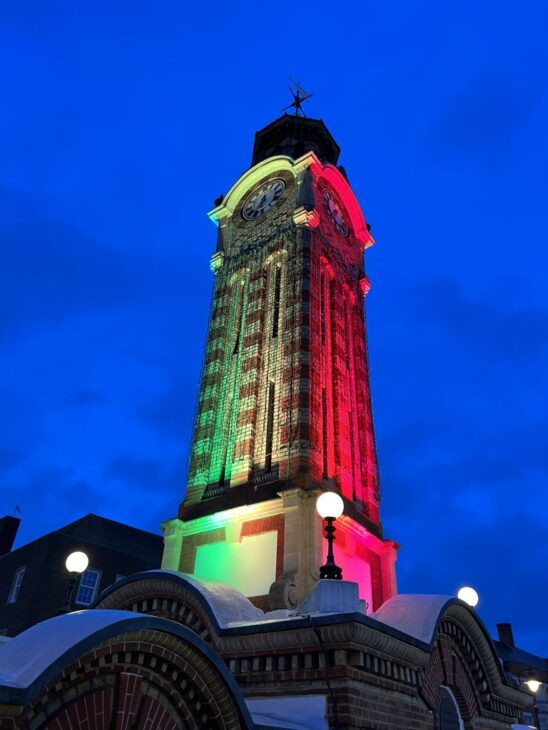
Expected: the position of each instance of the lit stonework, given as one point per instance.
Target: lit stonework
(284, 408)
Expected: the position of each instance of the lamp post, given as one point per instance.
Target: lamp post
(76, 563)
(330, 506)
(528, 678)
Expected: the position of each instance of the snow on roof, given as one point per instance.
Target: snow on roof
(228, 604)
(414, 614)
(519, 656)
(23, 659)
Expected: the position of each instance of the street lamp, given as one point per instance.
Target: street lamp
(527, 676)
(330, 506)
(468, 595)
(533, 685)
(76, 563)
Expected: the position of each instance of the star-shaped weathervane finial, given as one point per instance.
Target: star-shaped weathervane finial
(299, 95)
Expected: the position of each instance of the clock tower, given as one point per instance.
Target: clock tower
(284, 408)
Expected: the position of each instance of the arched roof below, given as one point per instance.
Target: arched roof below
(436, 619)
(38, 660)
(414, 614)
(221, 604)
(422, 629)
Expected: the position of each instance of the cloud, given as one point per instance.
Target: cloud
(461, 522)
(486, 326)
(51, 271)
(153, 488)
(480, 122)
(137, 473)
(50, 497)
(445, 547)
(462, 448)
(170, 413)
(134, 491)
(8, 459)
(85, 397)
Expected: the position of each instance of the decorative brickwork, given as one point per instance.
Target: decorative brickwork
(156, 596)
(148, 679)
(285, 399)
(380, 679)
(287, 300)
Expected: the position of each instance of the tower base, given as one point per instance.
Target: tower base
(271, 551)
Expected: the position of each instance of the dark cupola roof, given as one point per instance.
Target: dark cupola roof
(293, 136)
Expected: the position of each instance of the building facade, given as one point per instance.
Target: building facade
(34, 580)
(419, 662)
(521, 666)
(162, 651)
(284, 408)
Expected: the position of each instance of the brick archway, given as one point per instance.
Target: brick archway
(134, 672)
(138, 680)
(159, 594)
(156, 596)
(445, 668)
(459, 663)
(203, 607)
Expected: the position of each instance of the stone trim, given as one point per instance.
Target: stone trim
(191, 543)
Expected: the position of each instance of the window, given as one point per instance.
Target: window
(16, 583)
(239, 316)
(88, 588)
(324, 433)
(276, 314)
(269, 427)
(322, 306)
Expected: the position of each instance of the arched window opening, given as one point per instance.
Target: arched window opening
(269, 427)
(276, 310)
(449, 717)
(239, 316)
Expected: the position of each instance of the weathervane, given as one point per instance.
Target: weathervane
(299, 95)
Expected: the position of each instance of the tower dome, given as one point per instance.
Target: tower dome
(293, 135)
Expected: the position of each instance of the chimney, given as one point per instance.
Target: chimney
(8, 530)
(505, 634)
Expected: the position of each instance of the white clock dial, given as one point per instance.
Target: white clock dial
(335, 213)
(263, 199)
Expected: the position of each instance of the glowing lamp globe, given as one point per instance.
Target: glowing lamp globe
(330, 504)
(469, 596)
(533, 685)
(77, 562)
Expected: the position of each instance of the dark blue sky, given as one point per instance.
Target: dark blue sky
(122, 122)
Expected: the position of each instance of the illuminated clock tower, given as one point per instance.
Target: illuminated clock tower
(284, 408)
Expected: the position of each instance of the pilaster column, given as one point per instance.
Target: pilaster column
(173, 544)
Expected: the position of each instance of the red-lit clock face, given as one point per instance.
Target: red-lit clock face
(263, 199)
(334, 212)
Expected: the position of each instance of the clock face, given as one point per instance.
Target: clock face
(263, 199)
(334, 213)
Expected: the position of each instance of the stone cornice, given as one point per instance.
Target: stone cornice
(300, 633)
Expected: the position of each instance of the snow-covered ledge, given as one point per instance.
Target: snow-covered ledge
(332, 596)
